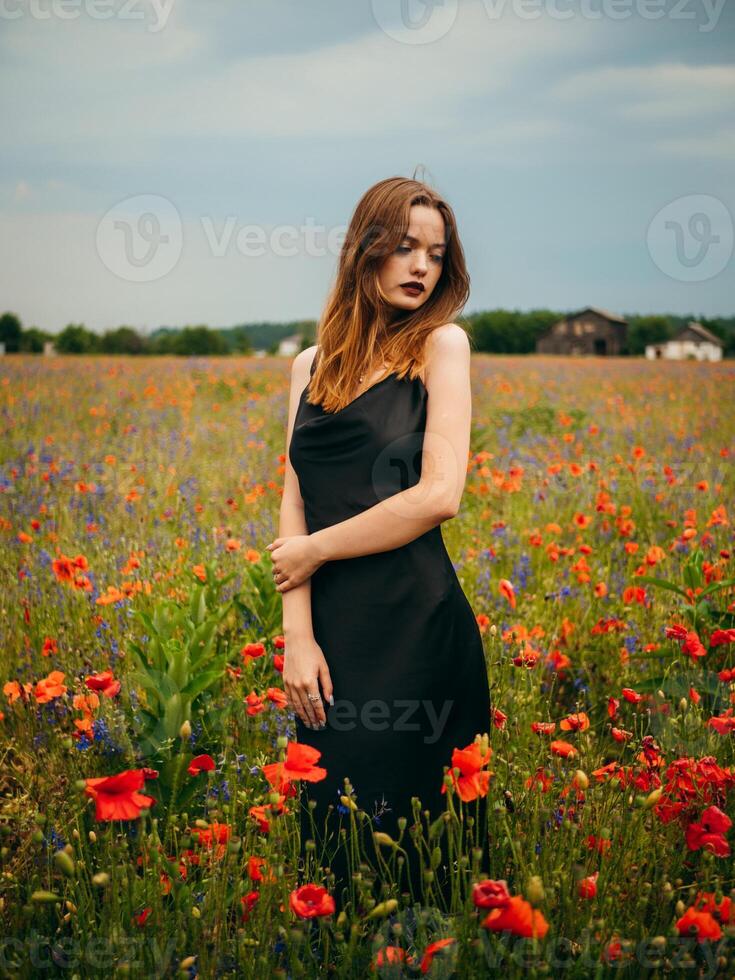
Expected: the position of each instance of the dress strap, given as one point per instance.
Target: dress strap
(313, 361)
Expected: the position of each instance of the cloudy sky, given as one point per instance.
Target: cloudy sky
(170, 161)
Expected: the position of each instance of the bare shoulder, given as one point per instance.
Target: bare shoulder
(447, 345)
(301, 368)
(303, 360)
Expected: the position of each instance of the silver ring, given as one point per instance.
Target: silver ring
(314, 697)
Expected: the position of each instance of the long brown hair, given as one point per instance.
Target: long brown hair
(357, 320)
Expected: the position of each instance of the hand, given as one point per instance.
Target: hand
(304, 668)
(295, 559)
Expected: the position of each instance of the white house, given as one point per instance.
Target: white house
(290, 346)
(693, 341)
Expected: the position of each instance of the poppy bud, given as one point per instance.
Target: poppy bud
(535, 890)
(185, 730)
(44, 897)
(383, 908)
(382, 838)
(64, 863)
(581, 780)
(653, 798)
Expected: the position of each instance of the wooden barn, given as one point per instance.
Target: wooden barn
(590, 331)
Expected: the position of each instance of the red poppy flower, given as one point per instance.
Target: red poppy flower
(543, 727)
(252, 651)
(587, 887)
(310, 901)
(490, 894)
(390, 955)
(117, 797)
(299, 764)
(506, 589)
(431, 950)
(201, 763)
(104, 682)
(248, 901)
(578, 722)
(722, 636)
(699, 924)
(518, 917)
(562, 748)
(709, 832)
(630, 695)
(473, 780)
(620, 734)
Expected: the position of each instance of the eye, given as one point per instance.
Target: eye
(403, 248)
(439, 258)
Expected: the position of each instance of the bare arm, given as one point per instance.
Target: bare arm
(297, 601)
(436, 497)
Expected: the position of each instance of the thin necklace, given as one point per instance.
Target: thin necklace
(362, 376)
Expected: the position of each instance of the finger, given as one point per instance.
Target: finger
(325, 681)
(319, 710)
(309, 706)
(295, 704)
(304, 714)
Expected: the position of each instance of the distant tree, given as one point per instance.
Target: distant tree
(644, 330)
(163, 341)
(10, 332)
(723, 329)
(76, 339)
(199, 341)
(123, 340)
(33, 339)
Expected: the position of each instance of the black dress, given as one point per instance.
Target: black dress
(401, 640)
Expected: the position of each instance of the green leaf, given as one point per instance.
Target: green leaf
(663, 584)
(716, 586)
(204, 680)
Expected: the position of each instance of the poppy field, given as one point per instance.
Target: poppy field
(149, 785)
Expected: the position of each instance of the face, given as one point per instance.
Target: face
(418, 259)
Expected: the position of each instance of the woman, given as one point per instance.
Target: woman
(384, 663)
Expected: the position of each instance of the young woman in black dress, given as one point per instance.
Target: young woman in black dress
(384, 663)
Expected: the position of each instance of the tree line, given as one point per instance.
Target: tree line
(492, 331)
